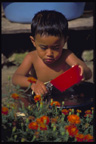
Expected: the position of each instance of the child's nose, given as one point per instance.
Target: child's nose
(49, 52)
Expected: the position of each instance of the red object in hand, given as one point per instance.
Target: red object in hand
(67, 79)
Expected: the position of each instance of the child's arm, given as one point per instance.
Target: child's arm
(72, 59)
(20, 77)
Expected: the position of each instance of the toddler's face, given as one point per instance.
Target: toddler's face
(49, 48)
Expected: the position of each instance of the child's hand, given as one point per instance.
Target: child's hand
(82, 72)
(39, 88)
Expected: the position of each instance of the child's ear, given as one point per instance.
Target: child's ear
(33, 41)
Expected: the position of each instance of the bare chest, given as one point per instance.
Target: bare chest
(46, 73)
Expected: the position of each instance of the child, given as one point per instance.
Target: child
(49, 33)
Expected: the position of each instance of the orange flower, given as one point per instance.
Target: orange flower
(37, 98)
(88, 112)
(31, 79)
(45, 118)
(56, 103)
(33, 125)
(38, 120)
(72, 130)
(65, 111)
(88, 138)
(92, 108)
(4, 110)
(79, 111)
(15, 96)
(43, 126)
(79, 137)
(74, 119)
(54, 120)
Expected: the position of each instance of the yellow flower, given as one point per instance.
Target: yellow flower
(79, 111)
(92, 108)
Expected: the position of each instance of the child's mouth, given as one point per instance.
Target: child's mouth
(49, 60)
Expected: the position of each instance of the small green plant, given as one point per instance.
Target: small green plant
(42, 121)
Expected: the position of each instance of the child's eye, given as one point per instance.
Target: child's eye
(43, 48)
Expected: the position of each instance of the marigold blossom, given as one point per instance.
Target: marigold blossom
(37, 98)
(15, 96)
(31, 79)
(56, 103)
(74, 119)
(88, 112)
(79, 137)
(65, 111)
(45, 118)
(4, 110)
(38, 120)
(92, 108)
(72, 130)
(88, 138)
(33, 126)
(43, 126)
(70, 110)
(79, 111)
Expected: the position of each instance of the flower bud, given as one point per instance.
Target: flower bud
(23, 140)
(72, 110)
(14, 129)
(51, 100)
(27, 120)
(54, 128)
(15, 136)
(62, 133)
(62, 103)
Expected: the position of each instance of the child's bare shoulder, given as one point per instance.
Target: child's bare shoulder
(31, 55)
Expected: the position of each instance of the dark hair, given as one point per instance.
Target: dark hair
(49, 22)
